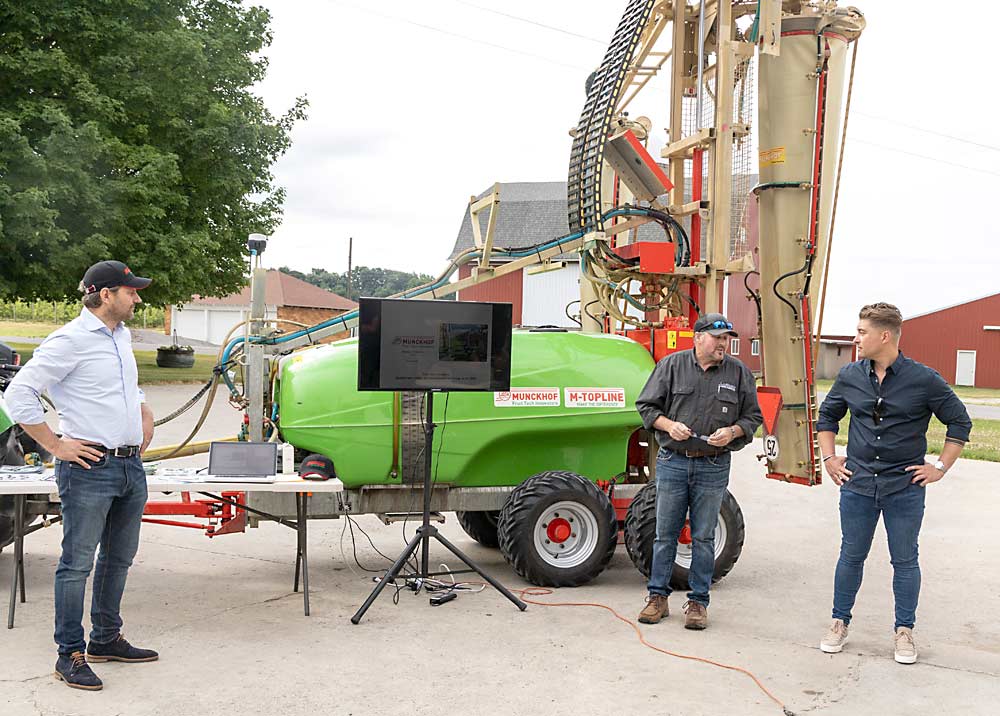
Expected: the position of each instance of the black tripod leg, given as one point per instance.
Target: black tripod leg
(472, 565)
(393, 572)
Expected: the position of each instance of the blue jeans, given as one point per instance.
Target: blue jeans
(682, 484)
(102, 505)
(902, 512)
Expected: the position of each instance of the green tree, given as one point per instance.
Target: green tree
(128, 130)
(365, 281)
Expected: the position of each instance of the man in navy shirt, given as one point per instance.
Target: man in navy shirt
(891, 399)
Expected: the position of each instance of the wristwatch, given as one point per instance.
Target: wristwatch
(940, 466)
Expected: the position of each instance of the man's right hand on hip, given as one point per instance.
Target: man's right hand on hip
(69, 450)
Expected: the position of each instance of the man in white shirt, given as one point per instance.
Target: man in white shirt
(88, 369)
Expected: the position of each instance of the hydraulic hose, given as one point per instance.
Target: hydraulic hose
(782, 277)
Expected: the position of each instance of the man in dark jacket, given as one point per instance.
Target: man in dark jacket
(702, 404)
(891, 399)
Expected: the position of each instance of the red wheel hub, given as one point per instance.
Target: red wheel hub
(558, 530)
(685, 536)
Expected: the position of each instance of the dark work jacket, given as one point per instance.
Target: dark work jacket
(704, 400)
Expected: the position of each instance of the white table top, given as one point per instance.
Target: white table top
(45, 483)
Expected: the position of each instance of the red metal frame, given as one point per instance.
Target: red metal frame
(222, 516)
(654, 256)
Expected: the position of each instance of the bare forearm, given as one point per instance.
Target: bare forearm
(147, 427)
(43, 435)
(950, 453)
(827, 442)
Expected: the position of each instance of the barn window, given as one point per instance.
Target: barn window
(734, 346)
(755, 347)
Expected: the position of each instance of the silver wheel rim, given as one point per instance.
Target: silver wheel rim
(581, 541)
(683, 558)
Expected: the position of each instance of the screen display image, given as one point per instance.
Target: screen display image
(241, 458)
(433, 345)
(467, 342)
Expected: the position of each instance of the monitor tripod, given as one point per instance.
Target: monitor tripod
(426, 531)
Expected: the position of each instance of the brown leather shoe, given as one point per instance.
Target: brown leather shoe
(656, 609)
(697, 615)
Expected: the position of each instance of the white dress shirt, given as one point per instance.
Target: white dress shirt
(91, 376)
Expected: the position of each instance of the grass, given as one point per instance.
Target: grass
(27, 329)
(149, 372)
(984, 443)
(40, 329)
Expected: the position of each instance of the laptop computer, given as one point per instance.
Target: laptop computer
(242, 462)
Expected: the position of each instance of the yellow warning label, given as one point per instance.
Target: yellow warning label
(687, 334)
(769, 157)
(671, 339)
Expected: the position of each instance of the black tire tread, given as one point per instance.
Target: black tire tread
(515, 518)
(640, 530)
(481, 525)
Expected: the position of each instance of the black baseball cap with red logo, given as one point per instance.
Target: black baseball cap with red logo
(111, 274)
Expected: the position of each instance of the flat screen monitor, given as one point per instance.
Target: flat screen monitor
(406, 344)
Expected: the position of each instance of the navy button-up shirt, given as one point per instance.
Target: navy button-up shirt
(879, 450)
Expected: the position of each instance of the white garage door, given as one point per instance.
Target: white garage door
(220, 321)
(210, 323)
(188, 323)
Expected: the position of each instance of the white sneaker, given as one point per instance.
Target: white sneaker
(835, 639)
(905, 650)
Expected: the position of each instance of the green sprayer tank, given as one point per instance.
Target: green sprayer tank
(571, 407)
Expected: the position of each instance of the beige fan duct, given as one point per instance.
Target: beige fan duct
(801, 98)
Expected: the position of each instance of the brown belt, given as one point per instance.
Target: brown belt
(698, 453)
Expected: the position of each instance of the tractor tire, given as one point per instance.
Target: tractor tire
(174, 359)
(557, 529)
(481, 526)
(640, 531)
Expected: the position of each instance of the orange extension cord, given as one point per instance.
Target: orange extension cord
(541, 592)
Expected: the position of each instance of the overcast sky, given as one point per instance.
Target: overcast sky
(416, 106)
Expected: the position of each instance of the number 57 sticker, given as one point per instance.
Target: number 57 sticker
(771, 451)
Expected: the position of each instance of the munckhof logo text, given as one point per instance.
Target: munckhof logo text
(413, 341)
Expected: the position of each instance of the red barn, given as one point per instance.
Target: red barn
(960, 342)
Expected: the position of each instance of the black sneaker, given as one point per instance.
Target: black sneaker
(119, 650)
(76, 672)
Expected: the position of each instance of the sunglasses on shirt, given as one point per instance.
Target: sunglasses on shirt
(879, 410)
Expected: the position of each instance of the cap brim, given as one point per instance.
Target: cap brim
(137, 282)
(722, 332)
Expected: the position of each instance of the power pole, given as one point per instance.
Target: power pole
(350, 248)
